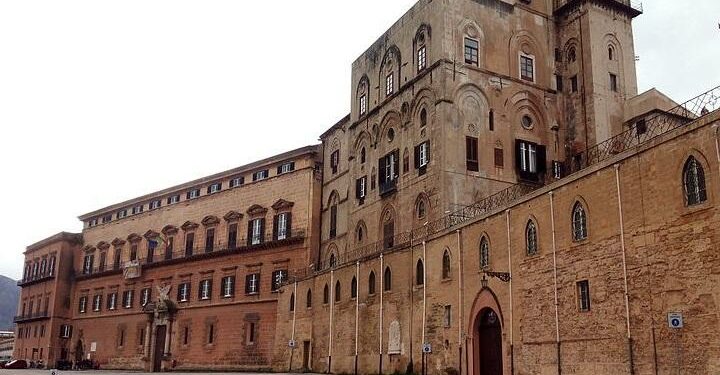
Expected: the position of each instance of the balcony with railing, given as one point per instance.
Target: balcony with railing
(634, 8)
(388, 187)
(35, 279)
(32, 317)
(161, 257)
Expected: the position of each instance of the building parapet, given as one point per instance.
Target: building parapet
(31, 317)
(634, 8)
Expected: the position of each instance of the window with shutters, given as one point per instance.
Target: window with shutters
(189, 244)
(112, 301)
(183, 294)
(583, 295)
(228, 286)
(210, 240)
(361, 189)
(335, 161)
(173, 199)
(192, 194)
(261, 175)
(128, 299)
(252, 283)
(278, 279)
(154, 205)
(471, 51)
(694, 182)
(214, 188)
(108, 218)
(138, 209)
(121, 214)
(530, 160)
(282, 226)
(527, 67)
(237, 181)
(205, 291)
(145, 296)
(232, 236)
(471, 154)
(256, 231)
(422, 157)
(82, 305)
(286, 167)
(389, 167)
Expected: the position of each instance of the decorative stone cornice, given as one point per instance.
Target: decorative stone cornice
(189, 225)
(134, 238)
(256, 210)
(118, 242)
(169, 229)
(102, 245)
(233, 216)
(210, 220)
(282, 204)
(151, 234)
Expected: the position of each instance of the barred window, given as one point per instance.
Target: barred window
(471, 51)
(694, 182)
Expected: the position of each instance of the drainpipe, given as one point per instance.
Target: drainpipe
(625, 277)
(460, 299)
(292, 349)
(332, 306)
(555, 277)
(716, 127)
(357, 311)
(512, 336)
(382, 289)
(424, 309)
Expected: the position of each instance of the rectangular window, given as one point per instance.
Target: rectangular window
(88, 264)
(471, 51)
(232, 236)
(583, 291)
(128, 299)
(183, 294)
(205, 291)
(278, 278)
(527, 67)
(282, 226)
(214, 188)
(65, 331)
(210, 240)
(559, 83)
(252, 283)
(145, 296)
(389, 84)
(389, 170)
(192, 194)
(97, 302)
(186, 335)
(574, 84)
(92, 222)
(422, 157)
(154, 205)
(189, 244)
(106, 219)
(228, 286)
(286, 167)
(641, 127)
(422, 58)
(169, 246)
(499, 159)
(82, 307)
(335, 161)
(138, 209)
(252, 327)
(447, 318)
(471, 154)
(260, 175)
(237, 181)
(613, 83)
(112, 301)
(211, 333)
(530, 160)
(133, 252)
(557, 169)
(363, 104)
(361, 188)
(256, 231)
(173, 199)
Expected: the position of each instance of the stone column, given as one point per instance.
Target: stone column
(168, 330)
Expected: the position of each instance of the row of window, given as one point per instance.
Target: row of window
(39, 268)
(184, 292)
(194, 193)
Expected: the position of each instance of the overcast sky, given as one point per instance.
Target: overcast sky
(103, 101)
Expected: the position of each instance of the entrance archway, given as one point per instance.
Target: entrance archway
(489, 335)
(485, 336)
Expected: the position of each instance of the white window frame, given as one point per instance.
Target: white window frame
(528, 157)
(253, 288)
(138, 209)
(121, 214)
(522, 55)
(422, 58)
(214, 188)
(424, 160)
(389, 84)
(235, 182)
(128, 299)
(363, 104)
(83, 304)
(286, 168)
(184, 292)
(145, 297)
(65, 331)
(282, 226)
(228, 286)
(97, 301)
(195, 193)
(205, 290)
(363, 187)
(174, 199)
(113, 301)
(256, 232)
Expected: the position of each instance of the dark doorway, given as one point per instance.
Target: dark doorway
(306, 355)
(79, 353)
(490, 343)
(159, 348)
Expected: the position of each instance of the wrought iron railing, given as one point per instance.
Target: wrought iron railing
(161, 256)
(37, 278)
(31, 316)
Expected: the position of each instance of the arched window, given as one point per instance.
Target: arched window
(360, 234)
(446, 265)
(419, 273)
(326, 295)
(423, 118)
(694, 182)
(308, 299)
(611, 53)
(484, 253)
(531, 238)
(421, 211)
(337, 291)
(333, 260)
(572, 55)
(579, 222)
(371, 283)
(353, 288)
(363, 155)
(387, 280)
(292, 302)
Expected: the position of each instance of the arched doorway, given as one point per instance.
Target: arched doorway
(489, 334)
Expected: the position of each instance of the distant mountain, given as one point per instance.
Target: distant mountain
(9, 295)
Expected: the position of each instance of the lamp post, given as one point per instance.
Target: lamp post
(502, 276)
